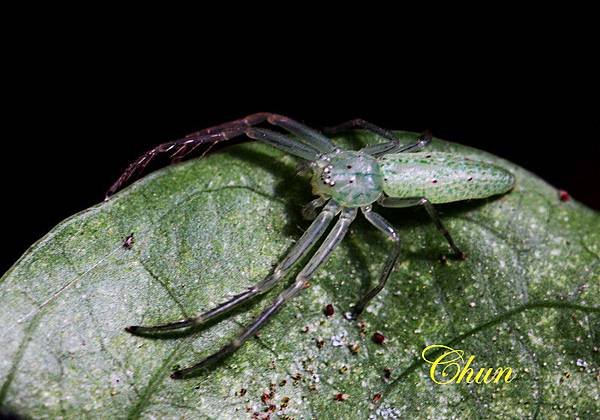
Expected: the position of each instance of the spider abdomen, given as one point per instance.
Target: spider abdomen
(442, 177)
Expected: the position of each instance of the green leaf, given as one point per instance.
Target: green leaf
(527, 298)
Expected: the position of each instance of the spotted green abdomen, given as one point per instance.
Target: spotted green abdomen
(442, 177)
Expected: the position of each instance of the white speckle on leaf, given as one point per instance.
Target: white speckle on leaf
(340, 339)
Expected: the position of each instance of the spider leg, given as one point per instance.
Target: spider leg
(395, 146)
(178, 149)
(331, 241)
(422, 201)
(384, 226)
(392, 146)
(283, 142)
(360, 123)
(306, 241)
(305, 134)
(308, 138)
(310, 210)
(234, 128)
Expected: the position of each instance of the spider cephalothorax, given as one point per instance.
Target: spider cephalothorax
(353, 179)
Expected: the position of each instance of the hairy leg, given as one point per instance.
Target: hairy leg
(178, 149)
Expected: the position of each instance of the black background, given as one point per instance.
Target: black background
(79, 113)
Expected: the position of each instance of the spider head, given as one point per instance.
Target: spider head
(353, 179)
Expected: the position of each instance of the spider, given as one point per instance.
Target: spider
(345, 182)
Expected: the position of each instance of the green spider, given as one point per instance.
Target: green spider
(389, 174)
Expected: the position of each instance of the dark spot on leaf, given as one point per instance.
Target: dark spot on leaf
(128, 241)
(340, 397)
(266, 397)
(378, 338)
(354, 347)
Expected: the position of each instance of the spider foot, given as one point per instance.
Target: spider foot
(177, 375)
(202, 367)
(352, 315)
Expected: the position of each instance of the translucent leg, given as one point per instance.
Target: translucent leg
(360, 123)
(283, 142)
(305, 134)
(310, 211)
(333, 239)
(396, 147)
(384, 226)
(306, 241)
(422, 201)
(392, 146)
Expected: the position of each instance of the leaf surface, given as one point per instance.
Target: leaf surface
(527, 298)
